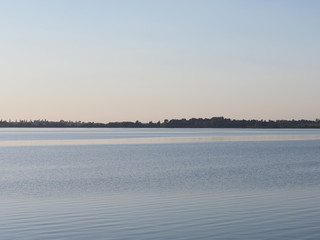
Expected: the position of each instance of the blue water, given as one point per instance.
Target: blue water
(182, 186)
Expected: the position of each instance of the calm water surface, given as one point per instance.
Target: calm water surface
(159, 184)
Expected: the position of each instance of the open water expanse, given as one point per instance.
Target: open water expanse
(159, 184)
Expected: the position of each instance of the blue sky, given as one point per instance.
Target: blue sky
(151, 60)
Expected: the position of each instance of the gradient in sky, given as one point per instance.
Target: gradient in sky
(150, 60)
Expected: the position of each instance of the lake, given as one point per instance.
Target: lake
(159, 184)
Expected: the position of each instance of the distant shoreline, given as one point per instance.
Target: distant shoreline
(215, 122)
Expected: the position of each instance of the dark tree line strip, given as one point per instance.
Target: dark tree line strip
(215, 122)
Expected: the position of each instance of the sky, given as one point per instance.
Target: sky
(150, 60)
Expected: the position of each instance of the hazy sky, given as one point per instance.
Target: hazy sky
(150, 60)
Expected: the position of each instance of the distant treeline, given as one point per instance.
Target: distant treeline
(215, 122)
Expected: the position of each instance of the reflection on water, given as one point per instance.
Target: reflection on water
(201, 184)
(43, 137)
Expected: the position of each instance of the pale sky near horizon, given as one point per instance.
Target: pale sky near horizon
(151, 60)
